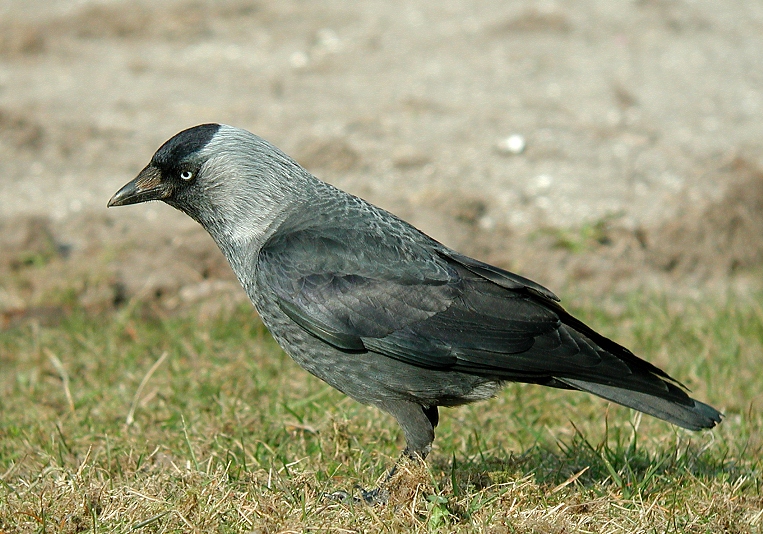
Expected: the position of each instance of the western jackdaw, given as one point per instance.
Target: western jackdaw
(376, 308)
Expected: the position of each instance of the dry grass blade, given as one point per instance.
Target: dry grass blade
(64, 376)
(130, 419)
(570, 480)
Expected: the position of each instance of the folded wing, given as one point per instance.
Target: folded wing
(411, 299)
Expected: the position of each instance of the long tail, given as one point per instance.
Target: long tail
(647, 388)
(690, 414)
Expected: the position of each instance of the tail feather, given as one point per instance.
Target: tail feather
(693, 415)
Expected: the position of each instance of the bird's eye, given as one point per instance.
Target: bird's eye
(186, 175)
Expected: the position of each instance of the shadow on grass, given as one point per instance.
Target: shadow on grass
(614, 464)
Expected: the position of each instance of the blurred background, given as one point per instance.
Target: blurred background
(598, 147)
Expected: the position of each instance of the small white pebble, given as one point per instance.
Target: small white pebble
(513, 144)
(299, 60)
(328, 40)
(539, 185)
(487, 223)
(543, 182)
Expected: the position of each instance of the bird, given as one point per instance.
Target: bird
(376, 308)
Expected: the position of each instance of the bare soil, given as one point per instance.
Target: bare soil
(643, 164)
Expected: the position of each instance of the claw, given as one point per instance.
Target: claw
(376, 496)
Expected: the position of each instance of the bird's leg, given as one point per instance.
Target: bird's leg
(418, 423)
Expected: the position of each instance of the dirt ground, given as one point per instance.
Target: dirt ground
(594, 146)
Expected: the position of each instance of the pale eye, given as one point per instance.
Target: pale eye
(186, 175)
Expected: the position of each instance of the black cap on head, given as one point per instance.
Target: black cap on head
(159, 180)
(184, 144)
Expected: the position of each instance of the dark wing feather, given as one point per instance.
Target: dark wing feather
(507, 334)
(497, 275)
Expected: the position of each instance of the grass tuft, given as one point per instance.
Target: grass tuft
(139, 423)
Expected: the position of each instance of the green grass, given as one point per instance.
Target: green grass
(229, 435)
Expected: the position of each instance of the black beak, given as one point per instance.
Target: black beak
(148, 185)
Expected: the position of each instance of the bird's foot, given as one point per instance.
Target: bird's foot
(376, 496)
(401, 481)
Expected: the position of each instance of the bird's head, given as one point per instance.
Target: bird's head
(237, 185)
